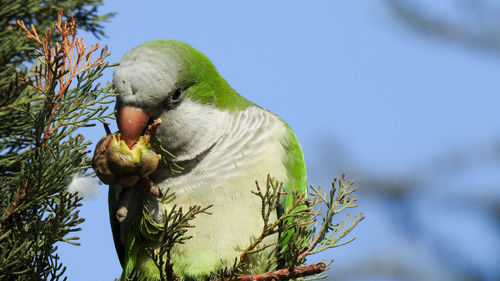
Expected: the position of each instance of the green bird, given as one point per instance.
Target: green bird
(223, 142)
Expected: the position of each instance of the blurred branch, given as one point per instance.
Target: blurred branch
(478, 23)
(392, 268)
(452, 179)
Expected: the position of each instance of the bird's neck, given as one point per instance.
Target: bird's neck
(211, 136)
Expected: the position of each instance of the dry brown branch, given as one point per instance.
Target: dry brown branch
(285, 274)
(306, 251)
(60, 63)
(14, 204)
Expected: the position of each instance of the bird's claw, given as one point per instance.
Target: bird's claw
(144, 183)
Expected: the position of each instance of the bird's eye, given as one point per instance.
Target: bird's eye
(176, 96)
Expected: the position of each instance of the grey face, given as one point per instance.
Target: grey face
(146, 77)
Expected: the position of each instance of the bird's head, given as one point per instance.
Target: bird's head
(172, 80)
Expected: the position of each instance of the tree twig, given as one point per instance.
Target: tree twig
(61, 64)
(285, 274)
(14, 204)
(271, 229)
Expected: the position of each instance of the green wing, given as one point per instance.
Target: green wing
(113, 194)
(296, 180)
(140, 230)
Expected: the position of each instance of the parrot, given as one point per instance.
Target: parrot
(223, 143)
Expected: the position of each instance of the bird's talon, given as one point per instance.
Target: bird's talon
(121, 213)
(156, 191)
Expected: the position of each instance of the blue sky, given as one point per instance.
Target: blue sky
(347, 77)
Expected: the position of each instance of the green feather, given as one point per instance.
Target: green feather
(130, 255)
(296, 180)
(115, 225)
(142, 232)
(295, 166)
(199, 78)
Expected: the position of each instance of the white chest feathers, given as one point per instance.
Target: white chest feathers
(248, 147)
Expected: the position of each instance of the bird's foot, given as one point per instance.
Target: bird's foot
(148, 185)
(122, 209)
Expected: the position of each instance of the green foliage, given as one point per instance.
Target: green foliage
(313, 229)
(41, 110)
(309, 222)
(166, 156)
(284, 225)
(172, 232)
(15, 47)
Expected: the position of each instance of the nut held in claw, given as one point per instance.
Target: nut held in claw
(115, 162)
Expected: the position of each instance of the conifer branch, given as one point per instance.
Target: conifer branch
(167, 158)
(337, 201)
(59, 64)
(14, 204)
(172, 231)
(40, 113)
(270, 200)
(301, 225)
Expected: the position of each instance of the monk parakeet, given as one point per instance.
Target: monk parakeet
(222, 141)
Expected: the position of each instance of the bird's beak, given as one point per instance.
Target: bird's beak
(132, 121)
